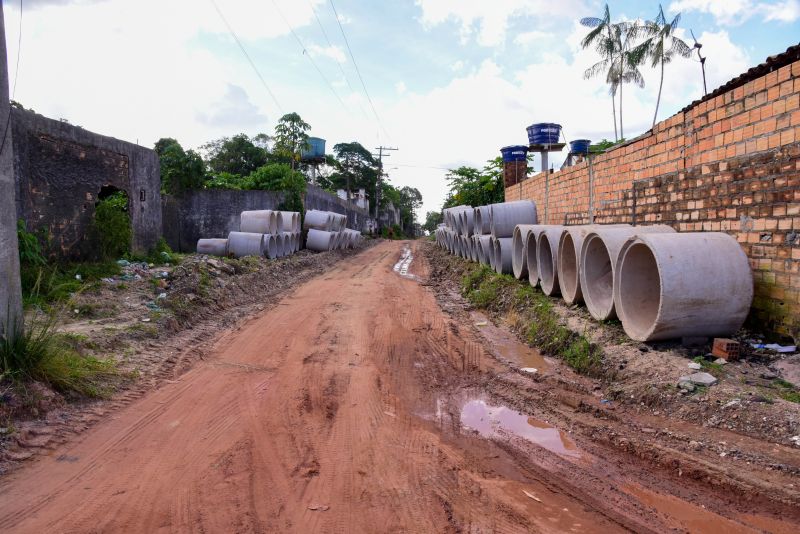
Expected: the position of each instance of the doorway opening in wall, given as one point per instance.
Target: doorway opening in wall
(112, 223)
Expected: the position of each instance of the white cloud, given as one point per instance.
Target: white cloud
(234, 110)
(401, 88)
(488, 21)
(526, 39)
(332, 52)
(457, 66)
(733, 12)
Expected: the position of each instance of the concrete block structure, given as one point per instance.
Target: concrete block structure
(62, 170)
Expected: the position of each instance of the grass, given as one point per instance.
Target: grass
(713, 368)
(786, 390)
(42, 354)
(485, 289)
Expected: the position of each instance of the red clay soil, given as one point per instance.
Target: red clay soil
(343, 409)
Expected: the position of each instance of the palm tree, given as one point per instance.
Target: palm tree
(661, 46)
(614, 44)
(602, 37)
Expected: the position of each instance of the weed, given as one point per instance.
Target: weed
(788, 391)
(112, 225)
(713, 368)
(485, 289)
(42, 354)
(791, 396)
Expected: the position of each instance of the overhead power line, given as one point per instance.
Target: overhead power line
(19, 48)
(358, 71)
(308, 55)
(330, 44)
(246, 55)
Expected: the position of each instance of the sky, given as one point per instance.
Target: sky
(447, 82)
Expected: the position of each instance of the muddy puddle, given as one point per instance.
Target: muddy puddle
(506, 346)
(493, 421)
(404, 263)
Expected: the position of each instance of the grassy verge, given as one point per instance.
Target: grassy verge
(43, 354)
(533, 313)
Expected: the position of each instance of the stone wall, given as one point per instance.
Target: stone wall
(730, 162)
(60, 169)
(215, 212)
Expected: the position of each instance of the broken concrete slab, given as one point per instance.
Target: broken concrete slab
(699, 379)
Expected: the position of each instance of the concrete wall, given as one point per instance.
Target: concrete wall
(215, 212)
(728, 163)
(10, 292)
(60, 169)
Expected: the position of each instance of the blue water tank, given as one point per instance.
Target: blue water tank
(514, 153)
(544, 133)
(579, 146)
(316, 148)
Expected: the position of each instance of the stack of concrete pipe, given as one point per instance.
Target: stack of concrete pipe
(484, 234)
(661, 284)
(269, 233)
(327, 231)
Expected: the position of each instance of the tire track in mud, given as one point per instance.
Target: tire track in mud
(315, 415)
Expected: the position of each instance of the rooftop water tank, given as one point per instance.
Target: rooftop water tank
(579, 146)
(514, 153)
(315, 149)
(544, 133)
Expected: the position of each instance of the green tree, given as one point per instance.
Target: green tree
(180, 170)
(235, 155)
(355, 168)
(661, 47)
(291, 137)
(432, 220)
(476, 187)
(281, 177)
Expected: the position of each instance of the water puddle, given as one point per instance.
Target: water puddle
(492, 421)
(505, 345)
(404, 264)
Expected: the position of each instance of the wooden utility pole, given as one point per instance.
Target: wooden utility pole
(381, 155)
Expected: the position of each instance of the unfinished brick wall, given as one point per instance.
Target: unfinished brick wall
(728, 163)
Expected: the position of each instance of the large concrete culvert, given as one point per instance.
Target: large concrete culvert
(519, 260)
(502, 255)
(546, 259)
(672, 285)
(598, 259)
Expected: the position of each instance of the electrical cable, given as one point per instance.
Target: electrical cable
(16, 75)
(358, 71)
(307, 54)
(246, 55)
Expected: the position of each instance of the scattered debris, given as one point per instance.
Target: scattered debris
(319, 507)
(694, 365)
(727, 349)
(532, 496)
(775, 347)
(531, 370)
(698, 379)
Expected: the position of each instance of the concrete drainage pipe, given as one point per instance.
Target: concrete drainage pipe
(258, 222)
(290, 221)
(270, 246)
(502, 254)
(487, 249)
(319, 240)
(547, 259)
(212, 247)
(467, 222)
(481, 220)
(491, 253)
(531, 253)
(682, 284)
(506, 216)
(599, 255)
(242, 244)
(318, 220)
(519, 260)
(288, 243)
(569, 260)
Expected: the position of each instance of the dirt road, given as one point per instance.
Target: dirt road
(343, 409)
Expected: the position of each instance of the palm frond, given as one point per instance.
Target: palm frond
(591, 22)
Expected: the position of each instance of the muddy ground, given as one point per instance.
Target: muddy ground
(372, 399)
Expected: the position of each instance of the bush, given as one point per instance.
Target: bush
(44, 355)
(112, 225)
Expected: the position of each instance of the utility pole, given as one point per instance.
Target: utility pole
(10, 291)
(381, 155)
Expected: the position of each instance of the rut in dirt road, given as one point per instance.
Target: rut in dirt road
(302, 420)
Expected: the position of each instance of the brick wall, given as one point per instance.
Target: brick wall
(728, 163)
